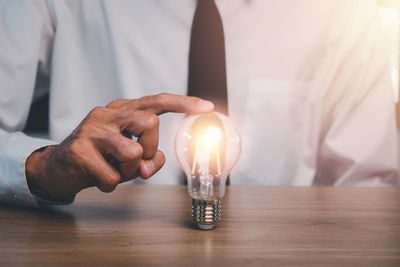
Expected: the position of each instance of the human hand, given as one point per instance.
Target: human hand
(100, 151)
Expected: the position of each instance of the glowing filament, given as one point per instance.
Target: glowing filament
(218, 162)
(205, 144)
(195, 154)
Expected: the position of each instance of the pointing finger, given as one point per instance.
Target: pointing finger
(162, 103)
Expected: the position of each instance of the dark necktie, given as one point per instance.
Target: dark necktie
(207, 70)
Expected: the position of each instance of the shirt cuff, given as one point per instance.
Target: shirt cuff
(16, 148)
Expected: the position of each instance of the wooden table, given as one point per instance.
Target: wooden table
(151, 225)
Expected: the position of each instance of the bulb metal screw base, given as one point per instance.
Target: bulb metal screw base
(206, 213)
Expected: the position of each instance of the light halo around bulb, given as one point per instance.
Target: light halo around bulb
(207, 146)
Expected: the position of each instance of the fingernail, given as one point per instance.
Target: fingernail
(205, 104)
(150, 166)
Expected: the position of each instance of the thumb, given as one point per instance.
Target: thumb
(148, 168)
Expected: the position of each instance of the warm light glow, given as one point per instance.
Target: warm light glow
(207, 144)
(390, 17)
(389, 3)
(195, 154)
(212, 134)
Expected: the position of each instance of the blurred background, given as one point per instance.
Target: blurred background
(389, 10)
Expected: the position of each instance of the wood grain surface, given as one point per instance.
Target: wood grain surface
(148, 225)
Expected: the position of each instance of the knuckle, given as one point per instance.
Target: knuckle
(153, 120)
(135, 152)
(107, 188)
(88, 127)
(116, 102)
(132, 153)
(111, 181)
(128, 113)
(138, 150)
(162, 95)
(145, 99)
(107, 136)
(94, 131)
(76, 147)
(97, 112)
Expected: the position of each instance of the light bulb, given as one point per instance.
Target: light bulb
(207, 146)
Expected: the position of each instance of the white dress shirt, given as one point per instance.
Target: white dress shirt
(308, 82)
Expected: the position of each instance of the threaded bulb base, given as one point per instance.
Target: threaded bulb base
(206, 213)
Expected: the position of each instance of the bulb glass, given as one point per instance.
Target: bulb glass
(207, 147)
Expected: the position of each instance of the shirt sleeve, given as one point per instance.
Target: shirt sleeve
(26, 34)
(16, 149)
(358, 144)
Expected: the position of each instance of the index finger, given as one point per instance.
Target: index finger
(162, 103)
